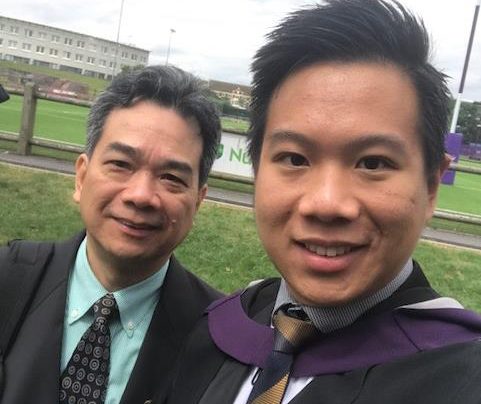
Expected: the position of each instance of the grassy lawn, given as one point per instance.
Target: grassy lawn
(470, 163)
(234, 124)
(463, 196)
(54, 120)
(67, 123)
(223, 247)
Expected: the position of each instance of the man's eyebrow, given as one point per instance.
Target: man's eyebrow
(355, 144)
(177, 166)
(123, 148)
(290, 137)
(168, 164)
(366, 141)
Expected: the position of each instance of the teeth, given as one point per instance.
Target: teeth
(328, 251)
(133, 225)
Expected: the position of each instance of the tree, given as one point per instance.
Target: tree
(469, 122)
(128, 69)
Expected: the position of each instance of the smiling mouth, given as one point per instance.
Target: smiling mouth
(137, 226)
(329, 251)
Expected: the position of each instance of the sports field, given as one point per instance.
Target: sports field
(64, 122)
(54, 120)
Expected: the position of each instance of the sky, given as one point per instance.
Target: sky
(216, 39)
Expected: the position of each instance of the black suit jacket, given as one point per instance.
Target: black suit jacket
(32, 366)
(450, 375)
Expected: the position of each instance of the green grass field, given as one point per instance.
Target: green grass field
(222, 248)
(463, 196)
(54, 120)
(470, 163)
(67, 123)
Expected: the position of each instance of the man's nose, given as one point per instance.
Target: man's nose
(330, 195)
(142, 190)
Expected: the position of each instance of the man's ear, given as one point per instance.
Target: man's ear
(80, 172)
(200, 196)
(434, 181)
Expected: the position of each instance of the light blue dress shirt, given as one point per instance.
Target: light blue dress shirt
(136, 307)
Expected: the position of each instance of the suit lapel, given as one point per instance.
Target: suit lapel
(172, 319)
(39, 340)
(226, 374)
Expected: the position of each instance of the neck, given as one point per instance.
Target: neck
(116, 273)
(328, 319)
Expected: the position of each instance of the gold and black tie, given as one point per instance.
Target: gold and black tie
(290, 334)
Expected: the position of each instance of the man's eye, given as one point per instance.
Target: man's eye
(375, 163)
(293, 159)
(119, 164)
(173, 178)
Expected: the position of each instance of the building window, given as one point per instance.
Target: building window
(78, 57)
(133, 56)
(66, 55)
(105, 49)
(80, 44)
(68, 41)
(2, 27)
(12, 44)
(125, 55)
(103, 62)
(93, 47)
(54, 52)
(28, 32)
(27, 47)
(55, 38)
(13, 29)
(112, 65)
(42, 35)
(90, 60)
(40, 49)
(1, 41)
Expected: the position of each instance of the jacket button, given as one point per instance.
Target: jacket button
(148, 402)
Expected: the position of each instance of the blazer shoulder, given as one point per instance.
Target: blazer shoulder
(199, 288)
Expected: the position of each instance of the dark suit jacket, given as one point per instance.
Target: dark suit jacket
(451, 375)
(32, 369)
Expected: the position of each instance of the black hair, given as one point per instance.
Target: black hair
(170, 87)
(353, 31)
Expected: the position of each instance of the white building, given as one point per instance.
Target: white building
(41, 45)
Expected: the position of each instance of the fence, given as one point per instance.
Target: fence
(25, 141)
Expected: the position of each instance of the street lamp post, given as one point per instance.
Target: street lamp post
(117, 47)
(465, 69)
(172, 31)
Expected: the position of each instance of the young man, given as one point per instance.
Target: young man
(348, 119)
(152, 139)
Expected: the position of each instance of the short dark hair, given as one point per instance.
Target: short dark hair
(353, 31)
(169, 87)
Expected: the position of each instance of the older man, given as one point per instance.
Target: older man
(112, 306)
(348, 120)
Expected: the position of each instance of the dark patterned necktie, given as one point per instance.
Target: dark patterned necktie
(85, 378)
(289, 335)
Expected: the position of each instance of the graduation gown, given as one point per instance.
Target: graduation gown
(411, 348)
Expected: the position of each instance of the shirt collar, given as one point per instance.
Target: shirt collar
(328, 319)
(134, 302)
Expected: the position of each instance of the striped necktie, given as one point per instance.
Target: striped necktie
(86, 375)
(289, 335)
